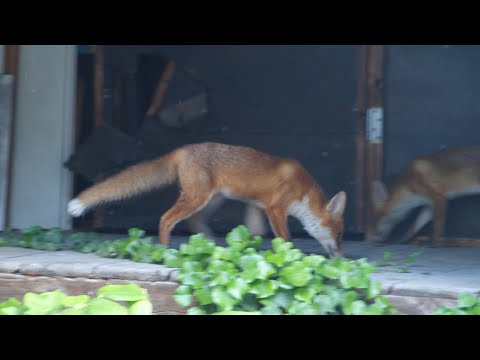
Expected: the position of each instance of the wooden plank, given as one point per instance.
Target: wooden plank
(98, 84)
(360, 140)
(79, 108)
(161, 90)
(374, 124)
(12, 53)
(118, 102)
(448, 242)
(6, 115)
(98, 110)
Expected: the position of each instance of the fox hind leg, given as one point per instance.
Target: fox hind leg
(254, 220)
(183, 208)
(422, 219)
(198, 222)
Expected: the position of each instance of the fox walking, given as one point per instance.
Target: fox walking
(208, 172)
(428, 182)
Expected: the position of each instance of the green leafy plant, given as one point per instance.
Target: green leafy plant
(240, 278)
(34, 237)
(282, 280)
(403, 265)
(467, 304)
(108, 301)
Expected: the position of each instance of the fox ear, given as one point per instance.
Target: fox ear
(336, 205)
(379, 193)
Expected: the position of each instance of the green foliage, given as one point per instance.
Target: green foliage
(467, 304)
(34, 237)
(235, 279)
(135, 247)
(241, 279)
(136, 302)
(403, 265)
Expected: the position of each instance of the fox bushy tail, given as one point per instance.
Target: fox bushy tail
(134, 180)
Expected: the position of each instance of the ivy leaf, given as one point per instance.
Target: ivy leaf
(75, 301)
(201, 245)
(256, 243)
(237, 313)
(135, 233)
(221, 298)
(183, 295)
(259, 270)
(172, 258)
(102, 306)
(42, 304)
(196, 280)
(12, 307)
(303, 308)
(74, 311)
(157, 254)
(142, 307)
(354, 281)
(237, 288)
(296, 274)
(358, 307)
(246, 260)
(203, 296)
(129, 292)
(279, 245)
(277, 259)
(238, 238)
(271, 309)
(347, 302)
(466, 300)
(196, 311)
(305, 294)
(264, 289)
(222, 278)
(325, 304)
(282, 298)
(329, 271)
(314, 260)
(191, 266)
(374, 289)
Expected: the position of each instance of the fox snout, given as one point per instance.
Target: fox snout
(332, 252)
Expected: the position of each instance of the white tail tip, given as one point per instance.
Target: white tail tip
(76, 208)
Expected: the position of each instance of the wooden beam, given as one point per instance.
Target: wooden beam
(161, 90)
(118, 102)
(374, 123)
(98, 111)
(98, 84)
(12, 53)
(360, 140)
(447, 242)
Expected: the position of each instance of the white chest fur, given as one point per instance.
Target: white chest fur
(311, 222)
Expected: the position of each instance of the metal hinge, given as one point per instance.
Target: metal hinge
(374, 125)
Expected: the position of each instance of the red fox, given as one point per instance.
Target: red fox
(428, 182)
(206, 171)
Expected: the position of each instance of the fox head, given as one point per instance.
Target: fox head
(334, 222)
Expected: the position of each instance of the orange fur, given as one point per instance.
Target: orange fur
(208, 169)
(427, 181)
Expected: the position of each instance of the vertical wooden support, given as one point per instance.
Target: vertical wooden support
(98, 111)
(374, 124)
(12, 53)
(162, 87)
(360, 140)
